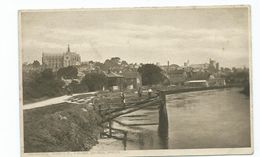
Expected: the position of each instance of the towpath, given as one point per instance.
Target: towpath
(61, 99)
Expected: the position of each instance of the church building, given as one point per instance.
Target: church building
(60, 60)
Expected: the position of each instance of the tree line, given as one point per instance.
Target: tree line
(49, 84)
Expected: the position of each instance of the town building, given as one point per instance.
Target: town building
(133, 80)
(114, 81)
(60, 60)
(217, 82)
(197, 83)
(123, 81)
(177, 77)
(169, 67)
(213, 66)
(199, 75)
(199, 67)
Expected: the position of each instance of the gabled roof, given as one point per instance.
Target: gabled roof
(112, 74)
(131, 74)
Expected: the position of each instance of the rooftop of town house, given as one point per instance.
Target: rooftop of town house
(130, 74)
(112, 74)
(196, 81)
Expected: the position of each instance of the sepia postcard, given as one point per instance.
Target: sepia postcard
(153, 81)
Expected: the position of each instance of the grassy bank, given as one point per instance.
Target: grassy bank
(60, 127)
(70, 127)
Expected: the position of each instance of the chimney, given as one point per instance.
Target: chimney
(68, 47)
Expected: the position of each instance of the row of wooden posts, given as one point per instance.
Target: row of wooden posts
(163, 122)
(110, 134)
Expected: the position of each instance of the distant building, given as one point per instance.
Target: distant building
(197, 83)
(199, 67)
(199, 75)
(114, 81)
(169, 67)
(177, 77)
(213, 66)
(60, 60)
(186, 63)
(122, 81)
(133, 80)
(217, 82)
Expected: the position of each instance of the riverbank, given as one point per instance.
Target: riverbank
(70, 124)
(75, 125)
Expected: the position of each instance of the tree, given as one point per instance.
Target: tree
(113, 63)
(151, 74)
(41, 85)
(47, 74)
(69, 72)
(36, 64)
(101, 66)
(94, 81)
(124, 63)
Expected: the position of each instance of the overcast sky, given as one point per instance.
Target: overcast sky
(140, 35)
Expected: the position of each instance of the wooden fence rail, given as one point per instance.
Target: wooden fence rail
(112, 130)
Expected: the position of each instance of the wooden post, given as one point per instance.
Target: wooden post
(125, 140)
(162, 97)
(163, 121)
(110, 128)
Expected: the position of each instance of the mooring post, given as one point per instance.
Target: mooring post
(162, 97)
(163, 121)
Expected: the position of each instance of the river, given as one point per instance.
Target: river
(202, 119)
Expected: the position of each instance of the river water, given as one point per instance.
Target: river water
(203, 119)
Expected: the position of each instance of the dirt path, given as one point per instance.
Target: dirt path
(57, 100)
